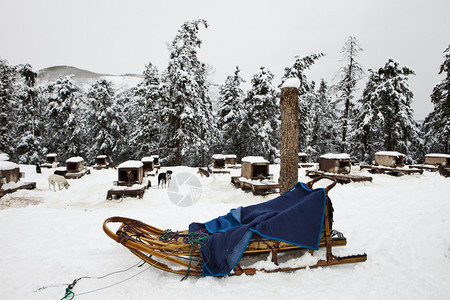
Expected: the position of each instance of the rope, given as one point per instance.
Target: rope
(68, 294)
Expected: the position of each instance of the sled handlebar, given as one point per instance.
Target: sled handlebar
(328, 188)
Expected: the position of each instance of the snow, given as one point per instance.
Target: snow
(254, 160)
(52, 155)
(131, 164)
(147, 159)
(218, 156)
(7, 165)
(4, 156)
(51, 238)
(438, 155)
(389, 153)
(101, 156)
(335, 156)
(291, 83)
(75, 159)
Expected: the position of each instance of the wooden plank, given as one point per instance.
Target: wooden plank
(342, 178)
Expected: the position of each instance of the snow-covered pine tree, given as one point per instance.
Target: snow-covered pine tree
(323, 132)
(437, 124)
(262, 119)
(29, 123)
(386, 102)
(63, 132)
(346, 86)
(147, 94)
(103, 122)
(7, 108)
(296, 71)
(367, 122)
(230, 115)
(186, 106)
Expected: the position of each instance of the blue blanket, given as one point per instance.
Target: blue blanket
(296, 217)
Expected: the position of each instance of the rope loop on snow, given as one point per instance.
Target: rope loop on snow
(68, 294)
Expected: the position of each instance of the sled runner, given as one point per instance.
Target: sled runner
(285, 227)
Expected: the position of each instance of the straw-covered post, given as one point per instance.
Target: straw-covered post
(289, 134)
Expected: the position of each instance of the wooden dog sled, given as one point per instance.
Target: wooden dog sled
(181, 252)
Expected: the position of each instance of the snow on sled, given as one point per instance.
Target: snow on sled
(286, 229)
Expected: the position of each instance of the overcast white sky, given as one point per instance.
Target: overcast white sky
(116, 37)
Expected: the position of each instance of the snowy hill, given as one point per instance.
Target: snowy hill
(85, 78)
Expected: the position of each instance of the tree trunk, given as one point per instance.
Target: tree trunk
(289, 138)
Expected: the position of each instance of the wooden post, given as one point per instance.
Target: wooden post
(289, 134)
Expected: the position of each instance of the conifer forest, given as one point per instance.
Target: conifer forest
(172, 113)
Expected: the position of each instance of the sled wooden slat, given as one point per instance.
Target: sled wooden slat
(341, 178)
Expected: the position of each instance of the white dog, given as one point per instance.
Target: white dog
(57, 179)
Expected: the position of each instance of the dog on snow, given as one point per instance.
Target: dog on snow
(164, 178)
(59, 180)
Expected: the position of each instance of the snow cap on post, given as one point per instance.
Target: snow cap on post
(291, 83)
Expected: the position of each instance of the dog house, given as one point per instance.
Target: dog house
(101, 160)
(9, 172)
(75, 164)
(147, 163)
(390, 159)
(51, 160)
(156, 163)
(130, 172)
(218, 161)
(437, 159)
(75, 168)
(254, 167)
(302, 157)
(335, 163)
(230, 159)
(10, 178)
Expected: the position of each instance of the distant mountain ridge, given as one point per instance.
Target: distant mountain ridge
(85, 78)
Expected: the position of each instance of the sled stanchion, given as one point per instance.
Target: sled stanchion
(328, 188)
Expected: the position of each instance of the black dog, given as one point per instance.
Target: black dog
(164, 178)
(60, 172)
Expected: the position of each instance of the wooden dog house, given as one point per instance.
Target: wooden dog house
(156, 163)
(230, 159)
(10, 178)
(130, 172)
(51, 161)
(221, 163)
(254, 167)
(255, 176)
(218, 161)
(437, 159)
(9, 172)
(391, 162)
(148, 163)
(302, 160)
(75, 164)
(335, 163)
(101, 162)
(390, 159)
(131, 180)
(75, 168)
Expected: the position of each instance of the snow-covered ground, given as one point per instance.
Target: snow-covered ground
(48, 239)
